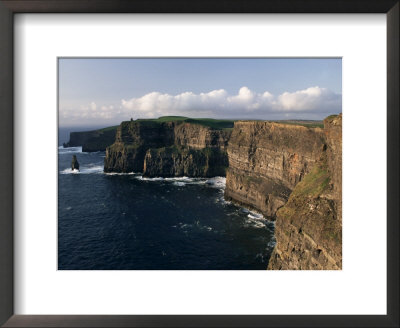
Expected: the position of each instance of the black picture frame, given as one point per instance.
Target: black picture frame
(10, 7)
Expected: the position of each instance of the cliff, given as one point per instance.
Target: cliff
(287, 171)
(333, 136)
(132, 141)
(308, 227)
(266, 161)
(168, 148)
(183, 161)
(95, 140)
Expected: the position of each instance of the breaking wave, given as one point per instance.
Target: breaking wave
(116, 173)
(69, 150)
(216, 182)
(90, 169)
(140, 177)
(256, 220)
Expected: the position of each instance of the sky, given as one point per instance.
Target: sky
(106, 91)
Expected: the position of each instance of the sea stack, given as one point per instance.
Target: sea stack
(75, 163)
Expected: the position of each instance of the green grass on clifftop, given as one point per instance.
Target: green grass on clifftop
(307, 124)
(209, 122)
(225, 123)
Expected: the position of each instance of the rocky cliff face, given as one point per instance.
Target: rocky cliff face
(292, 174)
(266, 161)
(168, 149)
(308, 227)
(333, 136)
(132, 141)
(184, 161)
(196, 136)
(96, 140)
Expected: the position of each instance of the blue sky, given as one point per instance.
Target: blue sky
(95, 92)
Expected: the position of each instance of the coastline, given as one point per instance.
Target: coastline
(266, 165)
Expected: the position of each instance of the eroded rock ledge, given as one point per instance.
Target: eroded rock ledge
(168, 149)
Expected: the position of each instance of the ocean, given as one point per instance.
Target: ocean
(129, 222)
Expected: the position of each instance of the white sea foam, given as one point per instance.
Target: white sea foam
(116, 173)
(217, 182)
(254, 219)
(69, 171)
(69, 150)
(186, 227)
(203, 227)
(142, 178)
(255, 216)
(221, 199)
(90, 169)
(206, 228)
(181, 181)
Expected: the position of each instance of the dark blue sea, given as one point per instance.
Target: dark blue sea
(127, 222)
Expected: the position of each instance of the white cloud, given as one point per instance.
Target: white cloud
(184, 102)
(217, 101)
(245, 99)
(311, 103)
(93, 106)
(313, 98)
(107, 108)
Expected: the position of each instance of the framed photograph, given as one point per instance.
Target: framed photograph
(204, 164)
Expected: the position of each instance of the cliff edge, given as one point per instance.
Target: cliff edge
(169, 148)
(308, 228)
(267, 160)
